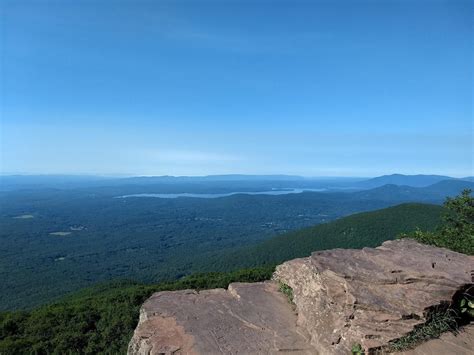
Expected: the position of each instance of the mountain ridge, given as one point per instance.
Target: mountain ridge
(419, 180)
(12, 181)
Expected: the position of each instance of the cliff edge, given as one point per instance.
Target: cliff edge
(340, 297)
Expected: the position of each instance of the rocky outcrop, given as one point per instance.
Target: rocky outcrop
(341, 297)
(246, 319)
(371, 296)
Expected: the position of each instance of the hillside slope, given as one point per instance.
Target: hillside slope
(368, 229)
(102, 319)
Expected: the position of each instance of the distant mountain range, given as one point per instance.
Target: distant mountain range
(228, 177)
(12, 182)
(407, 180)
(432, 192)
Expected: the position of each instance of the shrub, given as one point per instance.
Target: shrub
(287, 291)
(457, 230)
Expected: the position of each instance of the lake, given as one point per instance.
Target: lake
(216, 195)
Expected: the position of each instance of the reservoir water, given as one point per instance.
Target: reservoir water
(216, 195)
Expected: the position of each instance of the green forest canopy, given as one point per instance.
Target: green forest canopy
(101, 319)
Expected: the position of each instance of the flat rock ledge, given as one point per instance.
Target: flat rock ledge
(341, 297)
(245, 319)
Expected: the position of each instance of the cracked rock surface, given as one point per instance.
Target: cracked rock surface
(342, 297)
(245, 319)
(374, 295)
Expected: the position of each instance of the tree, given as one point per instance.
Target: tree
(457, 230)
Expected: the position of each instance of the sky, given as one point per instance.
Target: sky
(313, 88)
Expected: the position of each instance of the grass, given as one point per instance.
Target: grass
(440, 319)
(287, 291)
(357, 350)
(439, 322)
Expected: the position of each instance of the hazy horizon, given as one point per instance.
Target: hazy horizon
(315, 177)
(125, 175)
(343, 88)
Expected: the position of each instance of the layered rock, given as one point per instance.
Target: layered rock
(341, 298)
(246, 319)
(371, 296)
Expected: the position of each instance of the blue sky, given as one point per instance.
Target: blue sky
(320, 88)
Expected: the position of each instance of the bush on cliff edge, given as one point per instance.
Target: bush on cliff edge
(457, 230)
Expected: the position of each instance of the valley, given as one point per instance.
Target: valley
(75, 237)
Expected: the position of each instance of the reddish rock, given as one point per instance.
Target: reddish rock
(245, 319)
(371, 296)
(342, 297)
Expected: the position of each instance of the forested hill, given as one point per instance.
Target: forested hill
(368, 229)
(101, 319)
